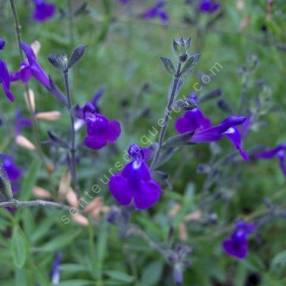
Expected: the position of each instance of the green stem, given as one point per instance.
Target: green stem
(72, 134)
(163, 130)
(34, 203)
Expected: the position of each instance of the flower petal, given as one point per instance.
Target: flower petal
(114, 130)
(120, 189)
(95, 142)
(234, 137)
(147, 195)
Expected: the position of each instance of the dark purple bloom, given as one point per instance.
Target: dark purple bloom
(43, 11)
(237, 244)
(21, 122)
(208, 6)
(100, 130)
(205, 132)
(5, 80)
(31, 68)
(134, 183)
(276, 152)
(123, 1)
(55, 272)
(2, 44)
(157, 11)
(12, 170)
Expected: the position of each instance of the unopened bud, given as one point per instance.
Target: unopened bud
(25, 142)
(48, 116)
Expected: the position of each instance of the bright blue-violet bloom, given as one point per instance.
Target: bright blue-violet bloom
(205, 132)
(237, 244)
(100, 130)
(123, 1)
(30, 67)
(5, 81)
(43, 10)
(208, 6)
(134, 183)
(276, 152)
(2, 44)
(157, 11)
(55, 271)
(13, 171)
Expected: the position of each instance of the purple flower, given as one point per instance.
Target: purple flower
(31, 68)
(43, 11)
(55, 272)
(208, 6)
(123, 1)
(2, 44)
(13, 171)
(21, 122)
(204, 131)
(276, 152)
(5, 81)
(157, 11)
(134, 183)
(100, 130)
(237, 244)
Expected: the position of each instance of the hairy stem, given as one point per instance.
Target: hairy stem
(172, 96)
(29, 99)
(72, 150)
(34, 203)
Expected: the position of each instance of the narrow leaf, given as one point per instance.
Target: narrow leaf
(168, 65)
(76, 55)
(18, 248)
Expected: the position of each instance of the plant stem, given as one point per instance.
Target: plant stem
(72, 150)
(34, 203)
(172, 95)
(29, 100)
(70, 22)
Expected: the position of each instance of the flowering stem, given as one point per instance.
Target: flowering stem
(29, 100)
(70, 22)
(172, 95)
(72, 149)
(34, 203)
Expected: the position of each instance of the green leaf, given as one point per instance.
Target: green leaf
(192, 60)
(77, 282)
(120, 276)
(30, 179)
(152, 274)
(60, 241)
(279, 260)
(168, 65)
(18, 247)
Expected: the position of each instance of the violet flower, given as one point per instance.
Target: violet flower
(5, 81)
(157, 11)
(123, 1)
(205, 132)
(13, 171)
(134, 183)
(21, 122)
(276, 152)
(2, 44)
(100, 130)
(43, 10)
(237, 244)
(208, 6)
(31, 68)
(55, 272)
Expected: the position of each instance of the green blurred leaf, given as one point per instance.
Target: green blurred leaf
(120, 276)
(18, 247)
(152, 274)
